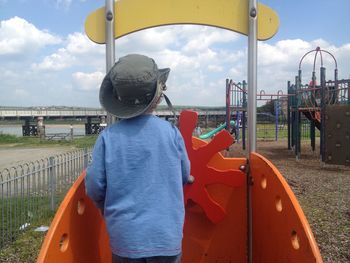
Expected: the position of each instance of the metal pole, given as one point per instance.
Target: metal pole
(288, 114)
(86, 158)
(244, 114)
(228, 104)
(52, 178)
(276, 119)
(323, 113)
(252, 87)
(336, 90)
(110, 47)
(238, 121)
(313, 103)
(252, 74)
(294, 109)
(313, 133)
(298, 116)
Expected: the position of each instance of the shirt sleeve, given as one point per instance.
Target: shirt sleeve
(185, 162)
(95, 180)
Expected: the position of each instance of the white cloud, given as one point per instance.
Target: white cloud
(87, 81)
(78, 43)
(238, 73)
(215, 68)
(79, 50)
(19, 37)
(155, 38)
(208, 37)
(55, 62)
(279, 63)
(176, 60)
(343, 58)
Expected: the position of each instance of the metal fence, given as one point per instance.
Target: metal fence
(33, 190)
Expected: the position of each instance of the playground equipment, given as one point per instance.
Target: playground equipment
(223, 204)
(216, 130)
(327, 108)
(236, 100)
(236, 108)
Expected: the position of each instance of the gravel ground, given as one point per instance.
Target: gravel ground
(323, 192)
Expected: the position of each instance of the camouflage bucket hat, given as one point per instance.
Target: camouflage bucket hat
(132, 86)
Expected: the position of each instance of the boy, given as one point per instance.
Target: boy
(139, 166)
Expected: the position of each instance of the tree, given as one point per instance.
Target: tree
(269, 107)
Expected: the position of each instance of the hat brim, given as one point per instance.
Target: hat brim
(163, 74)
(114, 106)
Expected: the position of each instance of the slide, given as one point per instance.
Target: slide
(216, 130)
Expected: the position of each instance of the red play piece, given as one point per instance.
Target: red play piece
(203, 174)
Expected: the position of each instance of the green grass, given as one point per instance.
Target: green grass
(264, 131)
(17, 211)
(14, 141)
(26, 247)
(267, 131)
(7, 138)
(85, 142)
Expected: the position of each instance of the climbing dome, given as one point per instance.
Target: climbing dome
(325, 105)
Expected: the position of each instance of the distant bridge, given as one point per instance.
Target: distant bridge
(92, 126)
(49, 112)
(79, 112)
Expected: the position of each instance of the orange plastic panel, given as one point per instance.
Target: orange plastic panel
(215, 228)
(225, 241)
(77, 233)
(281, 232)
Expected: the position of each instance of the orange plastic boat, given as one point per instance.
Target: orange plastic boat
(216, 213)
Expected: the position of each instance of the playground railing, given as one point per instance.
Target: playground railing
(33, 190)
(342, 94)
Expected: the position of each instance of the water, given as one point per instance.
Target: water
(78, 130)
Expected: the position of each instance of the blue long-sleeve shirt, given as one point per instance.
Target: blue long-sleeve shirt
(137, 173)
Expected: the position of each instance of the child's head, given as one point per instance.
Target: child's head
(133, 86)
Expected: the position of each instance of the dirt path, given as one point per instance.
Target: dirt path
(323, 192)
(13, 156)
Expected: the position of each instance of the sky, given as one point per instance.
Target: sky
(46, 58)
